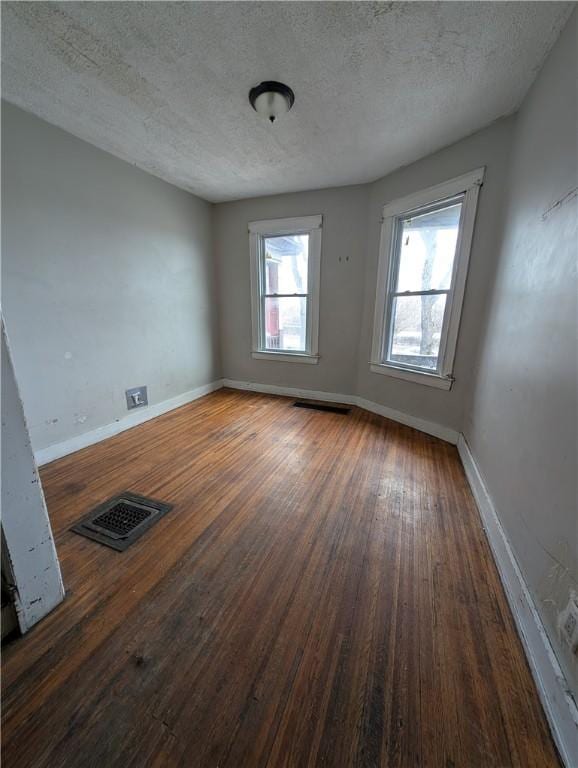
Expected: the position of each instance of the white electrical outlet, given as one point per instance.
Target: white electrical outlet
(568, 622)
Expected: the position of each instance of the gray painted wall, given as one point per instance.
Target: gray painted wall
(351, 229)
(490, 148)
(28, 553)
(342, 278)
(521, 423)
(108, 281)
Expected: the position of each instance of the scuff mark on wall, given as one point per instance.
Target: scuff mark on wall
(381, 9)
(559, 203)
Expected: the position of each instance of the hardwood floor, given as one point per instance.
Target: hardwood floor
(322, 594)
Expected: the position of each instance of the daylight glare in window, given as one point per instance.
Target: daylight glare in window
(422, 271)
(285, 292)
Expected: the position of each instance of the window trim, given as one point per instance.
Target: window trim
(467, 185)
(258, 230)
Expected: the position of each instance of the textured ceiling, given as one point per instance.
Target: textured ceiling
(377, 85)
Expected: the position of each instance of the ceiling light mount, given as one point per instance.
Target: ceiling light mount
(271, 99)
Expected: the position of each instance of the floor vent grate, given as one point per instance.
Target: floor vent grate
(321, 406)
(121, 520)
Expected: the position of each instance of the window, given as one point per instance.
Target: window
(285, 264)
(423, 263)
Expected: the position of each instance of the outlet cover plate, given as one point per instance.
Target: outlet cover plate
(136, 397)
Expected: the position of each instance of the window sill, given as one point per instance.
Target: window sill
(429, 379)
(287, 357)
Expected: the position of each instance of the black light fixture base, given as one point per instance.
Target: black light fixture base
(272, 86)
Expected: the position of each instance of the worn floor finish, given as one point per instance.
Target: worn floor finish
(322, 594)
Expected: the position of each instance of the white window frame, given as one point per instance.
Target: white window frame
(258, 231)
(467, 185)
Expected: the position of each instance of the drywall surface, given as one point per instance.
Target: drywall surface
(522, 421)
(489, 148)
(31, 562)
(108, 281)
(344, 213)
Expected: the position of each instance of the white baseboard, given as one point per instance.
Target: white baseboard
(557, 701)
(429, 427)
(58, 450)
(305, 394)
(437, 430)
(139, 416)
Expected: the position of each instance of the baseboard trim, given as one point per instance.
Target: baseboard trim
(273, 389)
(58, 450)
(422, 425)
(66, 447)
(429, 427)
(558, 704)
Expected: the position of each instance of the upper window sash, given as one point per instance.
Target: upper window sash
(300, 225)
(435, 194)
(462, 189)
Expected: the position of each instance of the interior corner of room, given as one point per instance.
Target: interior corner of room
(186, 251)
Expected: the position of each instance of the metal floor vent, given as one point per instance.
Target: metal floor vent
(321, 406)
(121, 520)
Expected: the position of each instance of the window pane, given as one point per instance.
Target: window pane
(286, 323)
(286, 264)
(428, 247)
(417, 326)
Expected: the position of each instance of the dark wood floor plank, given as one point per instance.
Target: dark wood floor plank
(322, 594)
